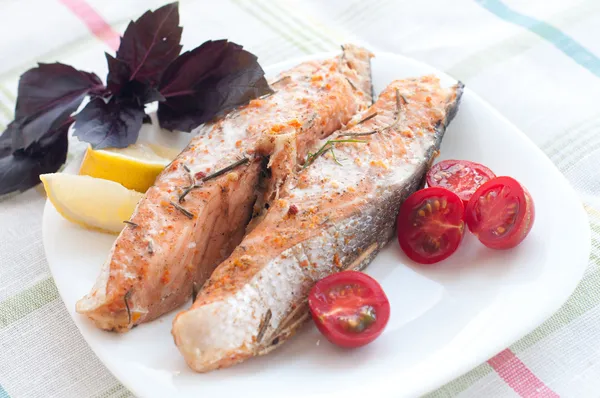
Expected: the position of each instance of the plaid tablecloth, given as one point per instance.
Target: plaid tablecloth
(536, 61)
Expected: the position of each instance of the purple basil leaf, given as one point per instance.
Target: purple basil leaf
(47, 96)
(151, 43)
(129, 90)
(21, 169)
(6, 141)
(109, 124)
(139, 93)
(208, 81)
(118, 73)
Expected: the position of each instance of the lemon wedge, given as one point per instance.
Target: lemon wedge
(91, 202)
(135, 167)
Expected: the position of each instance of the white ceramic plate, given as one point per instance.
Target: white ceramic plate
(446, 319)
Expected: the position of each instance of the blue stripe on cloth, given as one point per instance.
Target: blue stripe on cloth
(559, 39)
(3, 393)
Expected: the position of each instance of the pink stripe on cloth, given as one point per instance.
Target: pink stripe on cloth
(94, 21)
(518, 376)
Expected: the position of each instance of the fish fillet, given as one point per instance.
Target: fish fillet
(328, 218)
(198, 209)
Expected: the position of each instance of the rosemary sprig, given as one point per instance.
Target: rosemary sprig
(126, 298)
(224, 170)
(342, 58)
(351, 84)
(360, 134)
(182, 210)
(398, 108)
(286, 77)
(134, 225)
(267, 95)
(189, 174)
(262, 328)
(390, 126)
(333, 156)
(328, 146)
(186, 191)
(217, 173)
(371, 116)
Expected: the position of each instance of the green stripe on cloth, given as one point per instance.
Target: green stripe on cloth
(583, 299)
(349, 10)
(359, 11)
(27, 301)
(556, 145)
(553, 35)
(282, 32)
(520, 43)
(293, 16)
(578, 152)
(3, 393)
(290, 24)
(580, 145)
(6, 92)
(116, 391)
(5, 109)
(460, 384)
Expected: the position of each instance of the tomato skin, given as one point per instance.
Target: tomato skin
(342, 296)
(435, 234)
(462, 177)
(501, 213)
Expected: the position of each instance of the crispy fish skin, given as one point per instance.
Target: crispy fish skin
(178, 241)
(328, 218)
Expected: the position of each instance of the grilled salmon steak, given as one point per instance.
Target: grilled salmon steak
(199, 207)
(334, 215)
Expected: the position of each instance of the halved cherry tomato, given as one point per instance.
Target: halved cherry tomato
(430, 225)
(501, 213)
(349, 308)
(460, 176)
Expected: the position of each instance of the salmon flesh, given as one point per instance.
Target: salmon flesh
(334, 215)
(198, 209)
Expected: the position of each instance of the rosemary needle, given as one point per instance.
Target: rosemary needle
(226, 169)
(329, 145)
(371, 116)
(182, 210)
(217, 173)
(126, 298)
(262, 328)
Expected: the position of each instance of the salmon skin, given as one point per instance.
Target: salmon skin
(198, 209)
(334, 215)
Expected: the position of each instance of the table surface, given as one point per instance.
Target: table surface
(536, 61)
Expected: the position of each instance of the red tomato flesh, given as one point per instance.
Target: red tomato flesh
(459, 176)
(430, 225)
(500, 213)
(349, 308)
